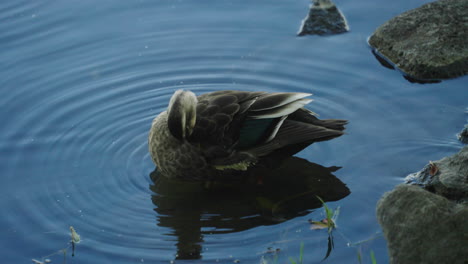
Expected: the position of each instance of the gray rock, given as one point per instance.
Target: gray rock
(422, 227)
(426, 221)
(447, 177)
(463, 135)
(324, 18)
(426, 43)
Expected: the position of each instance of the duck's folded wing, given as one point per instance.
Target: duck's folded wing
(265, 116)
(217, 112)
(276, 105)
(293, 133)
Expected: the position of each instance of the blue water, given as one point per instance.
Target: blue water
(80, 82)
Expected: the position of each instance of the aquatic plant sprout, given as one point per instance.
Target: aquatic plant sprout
(331, 216)
(301, 254)
(75, 239)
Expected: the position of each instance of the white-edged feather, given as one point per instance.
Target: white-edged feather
(275, 130)
(275, 100)
(281, 110)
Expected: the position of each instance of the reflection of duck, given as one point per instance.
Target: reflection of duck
(193, 211)
(215, 135)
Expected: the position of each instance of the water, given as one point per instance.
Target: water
(81, 82)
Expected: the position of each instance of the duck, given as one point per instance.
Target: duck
(218, 135)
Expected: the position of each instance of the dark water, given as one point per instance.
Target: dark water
(81, 81)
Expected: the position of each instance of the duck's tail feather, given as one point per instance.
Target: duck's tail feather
(307, 116)
(335, 124)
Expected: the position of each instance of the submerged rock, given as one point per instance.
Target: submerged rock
(463, 136)
(422, 227)
(324, 18)
(447, 177)
(426, 43)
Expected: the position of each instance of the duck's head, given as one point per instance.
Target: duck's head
(182, 114)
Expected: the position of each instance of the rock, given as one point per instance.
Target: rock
(324, 18)
(425, 222)
(422, 227)
(447, 177)
(463, 135)
(427, 43)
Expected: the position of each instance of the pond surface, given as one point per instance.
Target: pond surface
(82, 80)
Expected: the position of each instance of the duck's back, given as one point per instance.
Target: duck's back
(258, 123)
(220, 115)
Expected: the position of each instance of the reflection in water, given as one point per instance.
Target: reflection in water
(287, 190)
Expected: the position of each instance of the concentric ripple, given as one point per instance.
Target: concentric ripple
(81, 83)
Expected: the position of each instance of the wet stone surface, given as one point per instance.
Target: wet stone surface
(447, 177)
(422, 227)
(428, 42)
(463, 135)
(324, 18)
(423, 221)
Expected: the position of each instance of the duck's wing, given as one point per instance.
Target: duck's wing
(299, 129)
(293, 136)
(265, 116)
(240, 119)
(288, 126)
(234, 127)
(217, 112)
